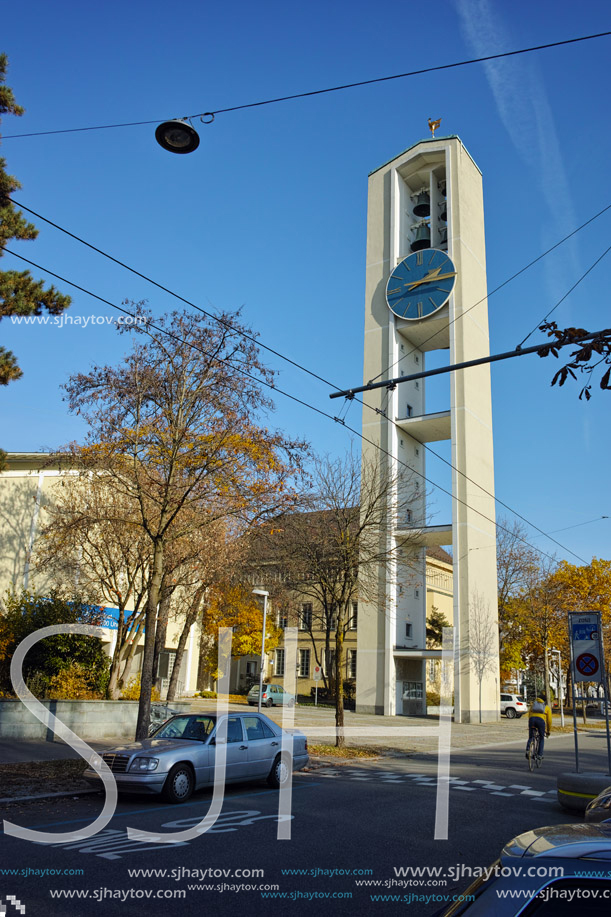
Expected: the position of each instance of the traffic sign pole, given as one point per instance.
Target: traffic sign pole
(574, 698)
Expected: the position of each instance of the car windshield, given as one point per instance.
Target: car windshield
(186, 727)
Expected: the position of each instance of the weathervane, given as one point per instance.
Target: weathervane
(434, 125)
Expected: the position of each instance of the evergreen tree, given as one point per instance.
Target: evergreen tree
(20, 294)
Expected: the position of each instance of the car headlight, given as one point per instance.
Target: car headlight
(144, 764)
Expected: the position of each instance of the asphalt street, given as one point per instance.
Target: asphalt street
(374, 822)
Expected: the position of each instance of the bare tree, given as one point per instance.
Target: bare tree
(330, 553)
(516, 564)
(85, 546)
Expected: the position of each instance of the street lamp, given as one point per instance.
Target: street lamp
(265, 595)
(177, 136)
(557, 652)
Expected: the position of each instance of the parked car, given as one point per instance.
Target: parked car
(273, 695)
(599, 809)
(571, 874)
(180, 756)
(512, 705)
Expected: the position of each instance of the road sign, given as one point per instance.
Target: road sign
(317, 673)
(585, 640)
(587, 664)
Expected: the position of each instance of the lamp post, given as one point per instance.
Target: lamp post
(265, 595)
(557, 652)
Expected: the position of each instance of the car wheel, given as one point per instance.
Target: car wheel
(279, 773)
(180, 783)
(510, 713)
(269, 702)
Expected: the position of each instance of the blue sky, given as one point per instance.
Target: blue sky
(269, 213)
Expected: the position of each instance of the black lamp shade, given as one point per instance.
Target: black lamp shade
(177, 137)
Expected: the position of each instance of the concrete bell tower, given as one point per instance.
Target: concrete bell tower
(430, 197)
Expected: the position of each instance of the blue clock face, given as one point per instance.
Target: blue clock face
(420, 284)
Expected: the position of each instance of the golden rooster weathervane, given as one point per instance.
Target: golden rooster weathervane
(434, 125)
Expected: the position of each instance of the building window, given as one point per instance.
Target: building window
(416, 450)
(303, 669)
(401, 442)
(283, 618)
(305, 617)
(417, 385)
(409, 410)
(251, 668)
(279, 666)
(416, 358)
(416, 593)
(408, 630)
(333, 619)
(402, 348)
(354, 617)
(412, 690)
(351, 663)
(408, 516)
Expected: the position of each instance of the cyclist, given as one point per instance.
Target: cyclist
(539, 720)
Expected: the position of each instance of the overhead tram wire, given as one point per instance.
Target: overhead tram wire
(254, 340)
(160, 286)
(299, 401)
(315, 92)
(568, 293)
(298, 365)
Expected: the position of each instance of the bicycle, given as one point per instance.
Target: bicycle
(534, 758)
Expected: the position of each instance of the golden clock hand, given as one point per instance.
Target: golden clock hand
(430, 277)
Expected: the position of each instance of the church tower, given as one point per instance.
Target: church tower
(426, 292)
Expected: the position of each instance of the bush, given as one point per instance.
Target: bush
(74, 683)
(26, 612)
(132, 690)
(433, 699)
(38, 683)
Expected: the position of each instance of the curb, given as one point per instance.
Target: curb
(8, 799)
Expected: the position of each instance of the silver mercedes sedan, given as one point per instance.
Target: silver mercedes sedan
(179, 757)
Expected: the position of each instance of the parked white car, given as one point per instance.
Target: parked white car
(512, 705)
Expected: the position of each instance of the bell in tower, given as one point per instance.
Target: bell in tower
(422, 238)
(422, 207)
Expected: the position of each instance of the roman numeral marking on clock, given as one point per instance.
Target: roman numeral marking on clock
(419, 306)
(432, 259)
(419, 259)
(431, 300)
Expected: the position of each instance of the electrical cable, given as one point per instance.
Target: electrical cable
(568, 292)
(160, 286)
(315, 92)
(295, 399)
(254, 340)
(500, 287)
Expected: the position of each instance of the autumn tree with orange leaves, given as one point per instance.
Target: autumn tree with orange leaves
(178, 427)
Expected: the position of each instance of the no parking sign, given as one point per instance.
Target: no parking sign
(586, 645)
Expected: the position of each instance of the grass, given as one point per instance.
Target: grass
(346, 751)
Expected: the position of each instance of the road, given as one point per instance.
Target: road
(377, 818)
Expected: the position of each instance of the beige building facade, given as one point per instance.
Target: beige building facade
(428, 199)
(26, 489)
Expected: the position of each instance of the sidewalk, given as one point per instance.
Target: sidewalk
(308, 719)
